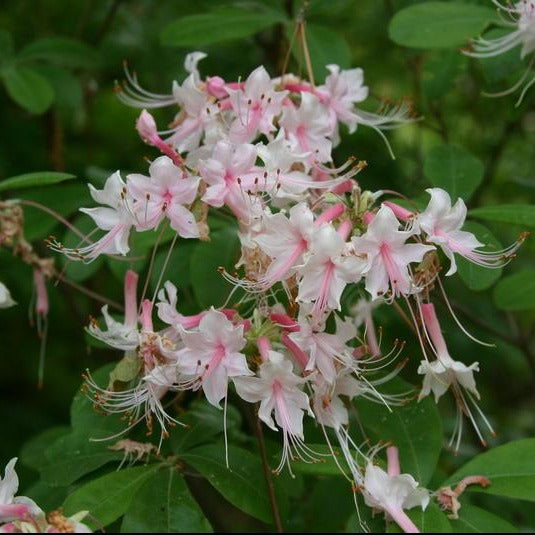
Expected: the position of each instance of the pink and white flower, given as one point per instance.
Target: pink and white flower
(393, 492)
(6, 300)
(256, 104)
(309, 128)
(211, 355)
(329, 268)
(14, 507)
(164, 194)
(442, 224)
(279, 392)
(388, 255)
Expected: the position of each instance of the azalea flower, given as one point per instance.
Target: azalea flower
(230, 174)
(212, 355)
(445, 373)
(256, 104)
(329, 268)
(388, 255)
(309, 127)
(14, 507)
(325, 351)
(278, 390)
(116, 218)
(519, 19)
(393, 492)
(442, 224)
(123, 336)
(164, 194)
(6, 300)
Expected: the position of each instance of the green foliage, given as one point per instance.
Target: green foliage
(432, 520)
(453, 169)
(241, 482)
(510, 468)
(61, 51)
(516, 292)
(476, 277)
(220, 25)
(108, 497)
(32, 180)
(516, 214)
(415, 428)
(28, 88)
(164, 504)
(473, 519)
(439, 24)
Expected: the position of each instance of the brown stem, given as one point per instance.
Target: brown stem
(56, 141)
(268, 476)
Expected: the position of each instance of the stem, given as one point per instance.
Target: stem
(268, 476)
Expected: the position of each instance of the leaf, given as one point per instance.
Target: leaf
(325, 467)
(325, 46)
(432, 520)
(516, 292)
(64, 199)
(474, 276)
(28, 89)
(454, 169)
(243, 484)
(439, 24)
(108, 497)
(76, 454)
(473, 519)
(440, 72)
(522, 215)
(164, 505)
(222, 250)
(204, 422)
(6, 48)
(73, 456)
(415, 428)
(510, 468)
(31, 180)
(217, 26)
(33, 452)
(62, 51)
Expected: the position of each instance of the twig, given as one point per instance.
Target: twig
(268, 476)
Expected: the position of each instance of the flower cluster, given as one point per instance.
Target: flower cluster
(263, 150)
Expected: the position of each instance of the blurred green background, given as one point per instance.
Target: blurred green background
(88, 132)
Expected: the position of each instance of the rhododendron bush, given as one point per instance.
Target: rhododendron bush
(270, 267)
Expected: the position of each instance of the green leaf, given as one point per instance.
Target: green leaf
(478, 277)
(6, 48)
(415, 428)
(222, 250)
(510, 468)
(432, 520)
(28, 89)
(64, 199)
(517, 214)
(516, 292)
(108, 497)
(439, 24)
(440, 72)
(454, 169)
(242, 484)
(325, 46)
(31, 180)
(76, 454)
(73, 456)
(217, 26)
(204, 422)
(325, 467)
(62, 51)
(164, 505)
(473, 519)
(33, 452)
